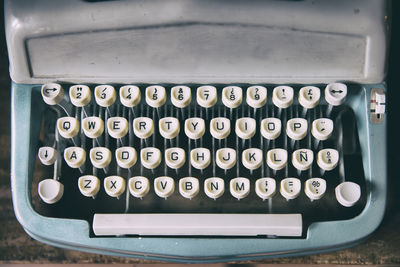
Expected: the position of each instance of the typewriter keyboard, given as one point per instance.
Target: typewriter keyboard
(264, 160)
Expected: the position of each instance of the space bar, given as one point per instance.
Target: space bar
(198, 224)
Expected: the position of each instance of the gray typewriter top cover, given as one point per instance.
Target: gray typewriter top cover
(197, 41)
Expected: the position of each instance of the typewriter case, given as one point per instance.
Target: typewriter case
(197, 42)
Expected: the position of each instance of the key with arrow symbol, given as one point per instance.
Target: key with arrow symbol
(336, 91)
(50, 90)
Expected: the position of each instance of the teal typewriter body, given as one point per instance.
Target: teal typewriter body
(198, 131)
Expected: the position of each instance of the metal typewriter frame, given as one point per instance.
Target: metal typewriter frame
(51, 21)
(74, 234)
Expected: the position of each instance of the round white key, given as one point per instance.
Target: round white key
(296, 128)
(348, 193)
(126, 157)
(150, 157)
(80, 95)
(335, 93)
(271, 128)
(181, 96)
(245, 128)
(265, 188)
(200, 158)
(282, 96)
(105, 95)
(315, 188)
(68, 127)
(220, 127)
(252, 158)
(322, 128)
(164, 186)
(139, 186)
(214, 187)
(290, 188)
(75, 156)
(100, 157)
(47, 155)
(189, 187)
(239, 187)
(93, 127)
(143, 127)
(155, 96)
(302, 159)
(327, 159)
(309, 96)
(89, 185)
(195, 128)
(175, 157)
(117, 127)
(232, 96)
(114, 185)
(206, 96)
(256, 96)
(50, 190)
(225, 158)
(52, 93)
(277, 158)
(129, 95)
(169, 127)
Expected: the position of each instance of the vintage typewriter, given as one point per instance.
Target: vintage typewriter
(198, 131)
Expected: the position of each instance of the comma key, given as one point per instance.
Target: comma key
(265, 188)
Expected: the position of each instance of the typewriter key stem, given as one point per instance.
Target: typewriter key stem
(329, 111)
(304, 112)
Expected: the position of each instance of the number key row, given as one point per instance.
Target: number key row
(206, 96)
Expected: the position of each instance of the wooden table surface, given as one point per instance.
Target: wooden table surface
(383, 247)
